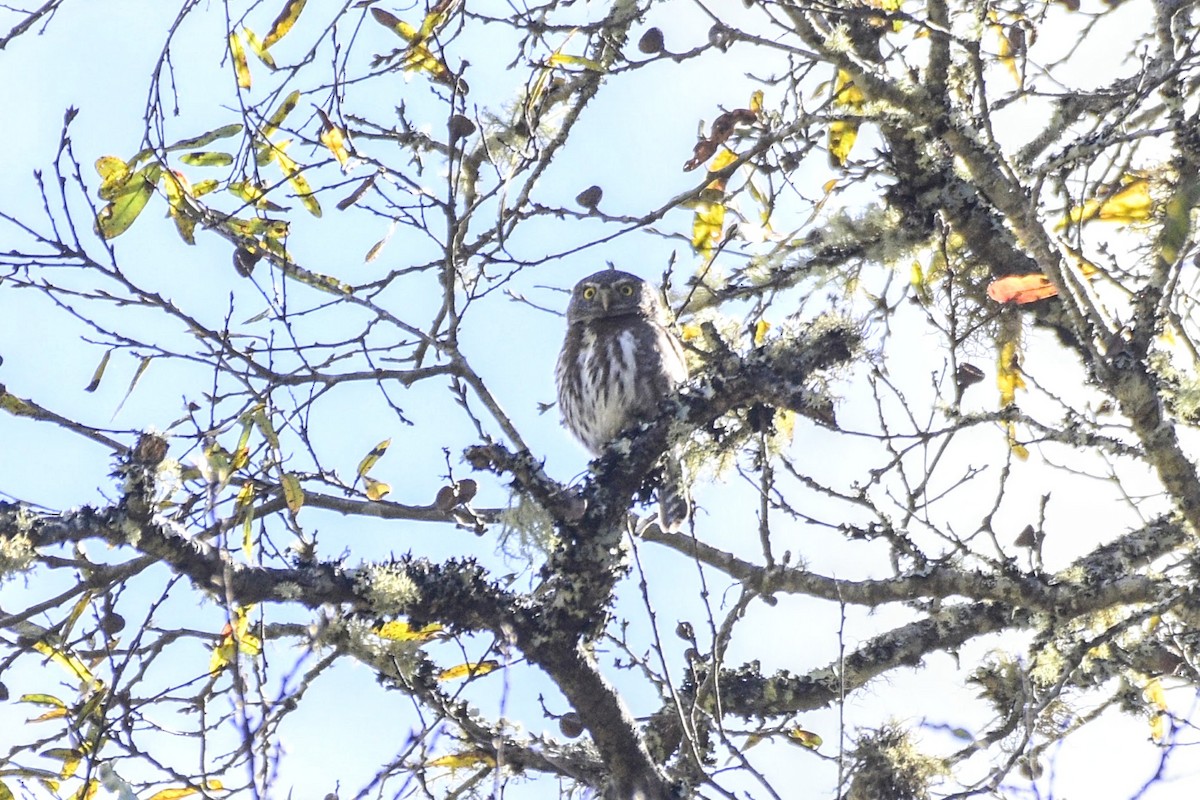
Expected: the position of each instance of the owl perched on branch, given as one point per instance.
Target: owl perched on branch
(618, 362)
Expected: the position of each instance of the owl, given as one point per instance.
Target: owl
(619, 360)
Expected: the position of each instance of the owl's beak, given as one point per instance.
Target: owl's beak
(604, 295)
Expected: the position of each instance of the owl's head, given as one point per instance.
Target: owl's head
(612, 293)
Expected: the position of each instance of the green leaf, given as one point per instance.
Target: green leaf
(284, 22)
(204, 139)
(116, 217)
(206, 159)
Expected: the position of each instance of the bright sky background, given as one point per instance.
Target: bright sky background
(97, 57)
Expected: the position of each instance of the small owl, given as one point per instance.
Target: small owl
(618, 362)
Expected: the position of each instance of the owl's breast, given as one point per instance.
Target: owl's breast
(609, 375)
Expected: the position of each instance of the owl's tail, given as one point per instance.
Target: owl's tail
(674, 498)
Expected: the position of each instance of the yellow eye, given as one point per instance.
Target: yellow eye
(589, 292)
(627, 289)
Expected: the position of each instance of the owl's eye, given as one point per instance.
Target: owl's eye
(627, 290)
(589, 292)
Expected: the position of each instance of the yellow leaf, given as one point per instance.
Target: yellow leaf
(804, 738)
(114, 173)
(293, 494)
(284, 22)
(1008, 373)
(690, 332)
(400, 631)
(128, 202)
(173, 794)
(468, 670)
(398, 26)
(334, 139)
(5, 792)
(292, 171)
(258, 48)
(58, 713)
(276, 119)
(760, 331)
(1159, 728)
(1131, 204)
(263, 422)
(94, 383)
(376, 490)
(371, 458)
(756, 101)
(42, 700)
(177, 188)
(1155, 695)
(565, 60)
(240, 67)
(66, 661)
(69, 757)
(236, 639)
(468, 759)
(204, 187)
(708, 225)
(724, 158)
(842, 133)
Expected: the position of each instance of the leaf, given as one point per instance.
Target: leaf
(467, 759)
(293, 493)
(1008, 373)
(114, 174)
(205, 139)
(760, 332)
(284, 22)
(756, 101)
(67, 661)
(725, 158)
(42, 700)
(400, 631)
(357, 194)
(235, 640)
(176, 187)
(398, 26)
(276, 119)
(468, 670)
(128, 202)
(844, 132)
(565, 60)
(708, 225)
(206, 159)
(70, 758)
(376, 490)
(240, 67)
(259, 49)
(1177, 218)
(94, 383)
(5, 792)
(173, 794)
(292, 171)
(1021, 289)
(370, 459)
(1132, 203)
(132, 383)
(334, 138)
(804, 738)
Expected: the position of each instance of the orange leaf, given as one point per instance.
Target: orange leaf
(1021, 289)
